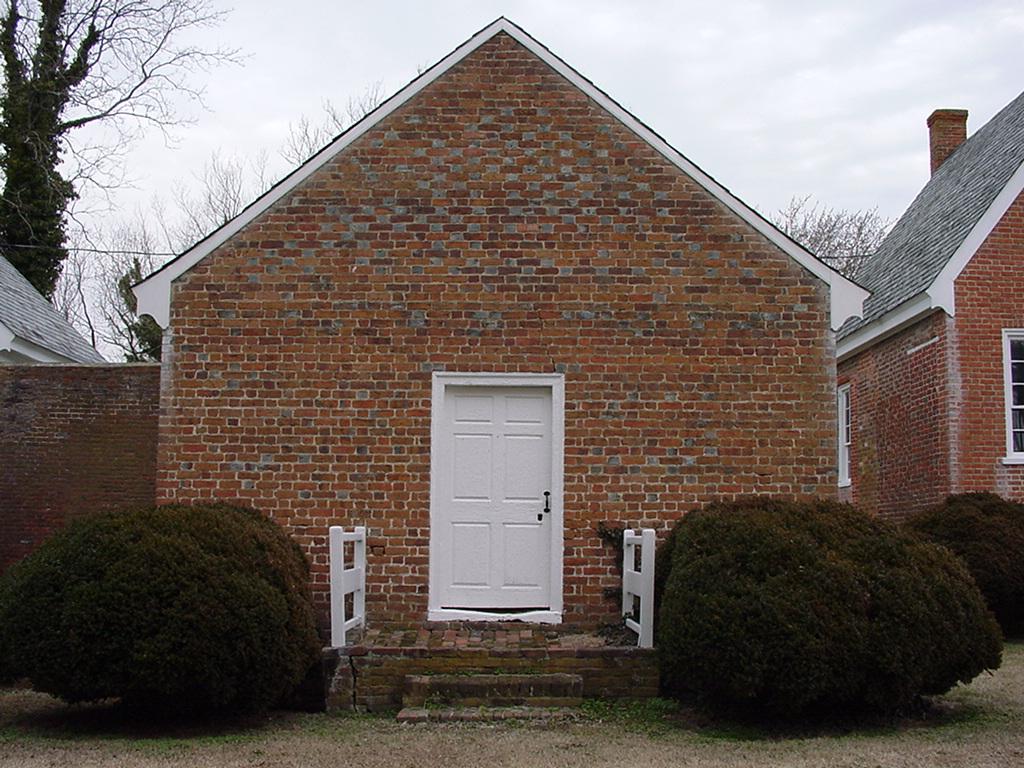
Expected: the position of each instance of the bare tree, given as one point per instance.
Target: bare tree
(94, 289)
(219, 193)
(307, 137)
(842, 239)
(70, 297)
(95, 293)
(135, 247)
(69, 64)
(130, 258)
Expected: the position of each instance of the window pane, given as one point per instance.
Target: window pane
(1018, 442)
(1017, 372)
(1018, 418)
(844, 435)
(1018, 394)
(1017, 349)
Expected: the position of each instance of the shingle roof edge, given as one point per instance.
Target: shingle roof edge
(940, 294)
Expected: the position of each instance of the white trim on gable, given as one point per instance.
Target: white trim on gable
(893, 321)
(6, 336)
(941, 293)
(941, 290)
(15, 349)
(154, 292)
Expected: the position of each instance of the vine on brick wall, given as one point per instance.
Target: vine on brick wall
(611, 534)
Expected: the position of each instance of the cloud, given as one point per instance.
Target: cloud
(773, 99)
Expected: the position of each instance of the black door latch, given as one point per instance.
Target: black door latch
(547, 506)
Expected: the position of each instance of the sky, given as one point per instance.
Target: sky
(773, 99)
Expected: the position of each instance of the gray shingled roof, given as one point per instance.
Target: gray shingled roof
(940, 218)
(32, 318)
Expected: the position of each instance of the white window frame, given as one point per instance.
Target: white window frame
(1010, 334)
(844, 428)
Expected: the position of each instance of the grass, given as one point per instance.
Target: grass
(26, 716)
(975, 725)
(992, 701)
(651, 717)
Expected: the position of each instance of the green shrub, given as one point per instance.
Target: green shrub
(662, 569)
(788, 608)
(178, 607)
(988, 533)
(7, 676)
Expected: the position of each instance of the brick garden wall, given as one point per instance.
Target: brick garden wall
(500, 222)
(73, 439)
(989, 298)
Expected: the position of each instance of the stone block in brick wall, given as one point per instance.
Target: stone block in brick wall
(339, 681)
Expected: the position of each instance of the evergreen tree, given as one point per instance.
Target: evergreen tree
(35, 195)
(68, 64)
(141, 336)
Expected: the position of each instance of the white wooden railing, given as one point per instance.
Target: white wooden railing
(639, 584)
(347, 580)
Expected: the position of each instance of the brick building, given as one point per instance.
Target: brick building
(931, 378)
(494, 313)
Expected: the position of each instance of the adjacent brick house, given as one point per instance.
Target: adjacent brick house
(494, 313)
(932, 376)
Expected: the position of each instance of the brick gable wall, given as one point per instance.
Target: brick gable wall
(498, 222)
(73, 439)
(934, 422)
(989, 298)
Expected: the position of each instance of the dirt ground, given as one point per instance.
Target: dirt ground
(977, 725)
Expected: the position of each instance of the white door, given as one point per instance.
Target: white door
(493, 535)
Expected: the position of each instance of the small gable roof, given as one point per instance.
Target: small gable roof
(28, 317)
(153, 293)
(947, 222)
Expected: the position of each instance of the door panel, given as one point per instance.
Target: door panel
(494, 465)
(473, 567)
(521, 568)
(527, 467)
(472, 473)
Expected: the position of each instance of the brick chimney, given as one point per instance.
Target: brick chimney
(947, 130)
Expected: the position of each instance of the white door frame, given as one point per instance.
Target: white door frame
(556, 383)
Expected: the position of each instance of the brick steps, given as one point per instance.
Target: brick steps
(489, 697)
(501, 689)
(494, 690)
(373, 677)
(482, 714)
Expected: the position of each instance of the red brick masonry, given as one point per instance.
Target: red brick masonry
(899, 453)
(989, 298)
(929, 405)
(498, 222)
(372, 674)
(73, 439)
